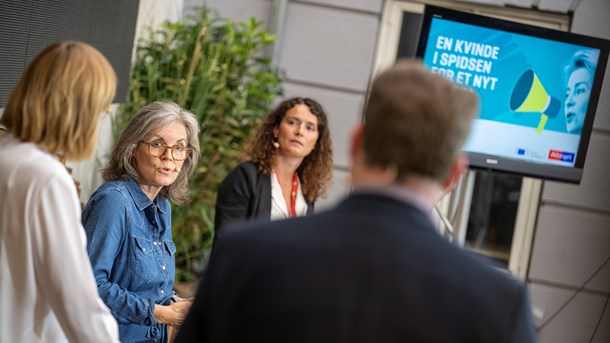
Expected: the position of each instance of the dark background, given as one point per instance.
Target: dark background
(28, 26)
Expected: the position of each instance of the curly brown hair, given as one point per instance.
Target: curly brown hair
(315, 171)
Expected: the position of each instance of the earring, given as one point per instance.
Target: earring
(275, 142)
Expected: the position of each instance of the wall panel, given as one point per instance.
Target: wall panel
(318, 42)
(28, 27)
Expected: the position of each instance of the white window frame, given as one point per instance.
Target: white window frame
(457, 204)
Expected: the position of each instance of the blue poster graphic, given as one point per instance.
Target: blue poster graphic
(520, 79)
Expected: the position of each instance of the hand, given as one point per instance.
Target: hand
(177, 299)
(173, 314)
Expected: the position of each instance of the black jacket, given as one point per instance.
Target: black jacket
(244, 194)
(372, 270)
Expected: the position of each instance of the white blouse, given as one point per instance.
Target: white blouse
(47, 289)
(278, 203)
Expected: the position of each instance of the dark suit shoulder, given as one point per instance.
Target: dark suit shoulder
(377, 263)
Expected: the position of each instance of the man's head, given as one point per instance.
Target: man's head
(415, 123)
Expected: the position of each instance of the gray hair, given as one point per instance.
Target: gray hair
(152, 117)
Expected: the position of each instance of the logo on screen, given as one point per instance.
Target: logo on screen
(562, 156)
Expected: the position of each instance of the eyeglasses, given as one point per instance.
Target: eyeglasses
(158, 149)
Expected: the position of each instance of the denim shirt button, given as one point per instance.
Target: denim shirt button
(163, 267)
(162, 292)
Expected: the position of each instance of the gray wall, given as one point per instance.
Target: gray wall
(28, 26)
(569, 271)
(327, 49)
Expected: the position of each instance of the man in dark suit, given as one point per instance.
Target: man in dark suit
(374, 269)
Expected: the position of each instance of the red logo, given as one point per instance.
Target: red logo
(562, 156)
(555, 155)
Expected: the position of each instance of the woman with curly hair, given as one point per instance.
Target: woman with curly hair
(288, 167)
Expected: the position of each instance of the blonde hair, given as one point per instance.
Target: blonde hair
(59, 99)
(586, 59)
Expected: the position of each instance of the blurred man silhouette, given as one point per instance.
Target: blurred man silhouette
(374, 269)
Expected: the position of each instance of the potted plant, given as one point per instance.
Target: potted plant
(216, 69)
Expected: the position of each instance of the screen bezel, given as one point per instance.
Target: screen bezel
(517, 166)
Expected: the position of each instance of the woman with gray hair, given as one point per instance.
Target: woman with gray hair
(128, 221)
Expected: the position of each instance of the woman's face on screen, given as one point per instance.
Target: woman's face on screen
(578, 91)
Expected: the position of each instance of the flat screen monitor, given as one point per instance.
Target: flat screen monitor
(538, 90)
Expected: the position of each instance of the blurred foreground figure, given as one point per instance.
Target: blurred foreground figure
(374, 269)
(47, 289)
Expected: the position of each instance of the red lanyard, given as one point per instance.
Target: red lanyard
(293, 196)
(292, 211)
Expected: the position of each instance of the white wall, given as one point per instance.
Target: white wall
(570, 269)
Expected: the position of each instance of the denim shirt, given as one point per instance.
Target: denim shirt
(129, 242)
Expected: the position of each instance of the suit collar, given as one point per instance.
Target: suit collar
(385, 206)
(402, 194)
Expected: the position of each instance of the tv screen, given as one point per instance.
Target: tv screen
(538, 89)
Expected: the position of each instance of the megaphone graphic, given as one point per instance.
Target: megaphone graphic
(529, 96)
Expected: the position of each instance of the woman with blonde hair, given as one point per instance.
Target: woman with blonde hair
(47, 289)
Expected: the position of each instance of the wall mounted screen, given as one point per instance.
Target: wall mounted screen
(538, 89)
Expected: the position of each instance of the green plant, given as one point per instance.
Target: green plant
(214, 68)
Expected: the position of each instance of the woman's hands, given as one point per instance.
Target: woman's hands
(173, 314)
